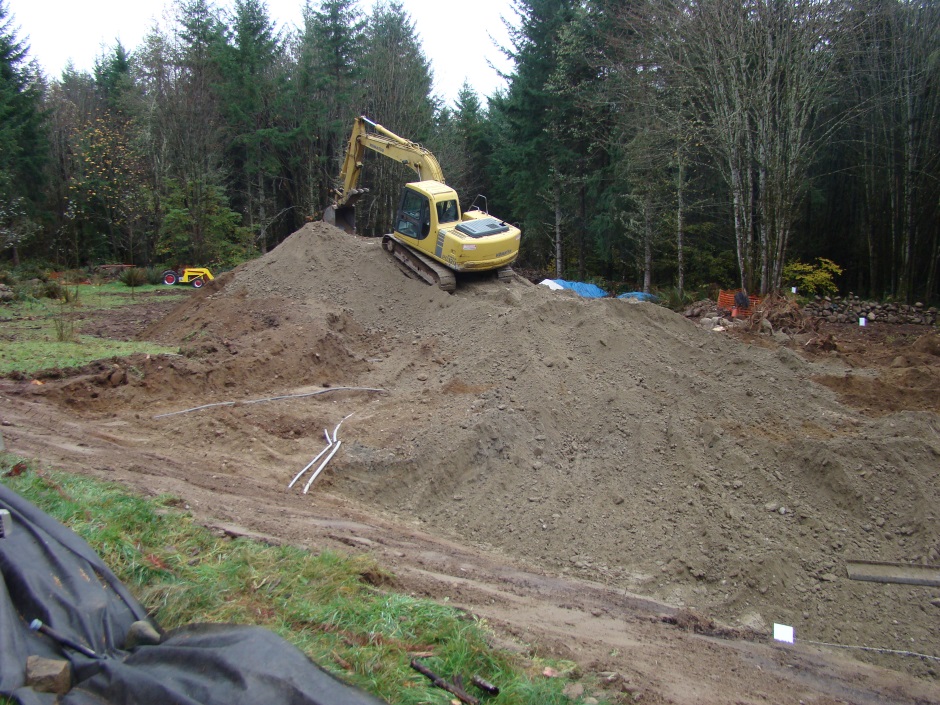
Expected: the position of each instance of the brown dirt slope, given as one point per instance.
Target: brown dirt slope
(606, 440)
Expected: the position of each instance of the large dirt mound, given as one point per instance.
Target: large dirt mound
(608, 439)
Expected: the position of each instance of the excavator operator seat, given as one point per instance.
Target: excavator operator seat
(447, 212)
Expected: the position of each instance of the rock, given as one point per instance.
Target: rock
(771, 506)
(46, 675)
(573, 691)
(141, 633)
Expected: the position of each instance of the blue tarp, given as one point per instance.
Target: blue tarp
(588, 291)
(639, 295)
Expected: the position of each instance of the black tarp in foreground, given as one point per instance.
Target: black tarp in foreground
(51, 574)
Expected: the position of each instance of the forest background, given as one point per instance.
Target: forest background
(645, 144)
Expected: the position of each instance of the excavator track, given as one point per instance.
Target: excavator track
(505, 274)
(416, 264)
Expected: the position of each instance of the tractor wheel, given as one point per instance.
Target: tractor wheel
(198, 282)
(170, 277)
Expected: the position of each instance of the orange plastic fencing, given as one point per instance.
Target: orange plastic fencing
(726, 301)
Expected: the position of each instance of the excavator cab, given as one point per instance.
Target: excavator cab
(414, 215)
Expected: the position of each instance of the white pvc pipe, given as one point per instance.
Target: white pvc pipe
(310, 464)
(322, 465)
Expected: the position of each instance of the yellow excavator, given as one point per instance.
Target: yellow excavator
(432, 238)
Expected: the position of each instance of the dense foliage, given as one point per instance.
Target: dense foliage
(655, 143)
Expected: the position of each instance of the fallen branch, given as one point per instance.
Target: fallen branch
(439, 682)
(484, 685)
(278, 398)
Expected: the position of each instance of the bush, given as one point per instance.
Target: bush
(74, 276)
(155, 275)
(671, 298)
(50, 289)
(809, 279)
(133, 277)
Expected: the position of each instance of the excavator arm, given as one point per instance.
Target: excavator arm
(387, 143)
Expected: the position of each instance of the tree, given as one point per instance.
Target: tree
(106, 189)
(22, 139)
(757, 77)
(248, 97)
(398, 80)
(895, 77)
(112, 76)
(182, 122)
(530, 157)
(328, 94)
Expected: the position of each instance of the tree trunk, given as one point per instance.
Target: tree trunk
(556, 195)
(680, 221)
(647, 245)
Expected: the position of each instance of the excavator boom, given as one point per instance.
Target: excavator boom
(387, 143)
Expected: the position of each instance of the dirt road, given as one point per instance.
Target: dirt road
(543, 461)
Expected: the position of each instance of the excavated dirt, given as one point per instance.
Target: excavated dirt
(543, 460)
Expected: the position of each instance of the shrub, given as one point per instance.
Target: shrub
(74, 276)
(671, 298)
(50, 289)
(70, 295)
(155, 275)
(133, 277)
(812, 279)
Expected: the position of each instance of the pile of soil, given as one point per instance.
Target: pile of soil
(610, 440)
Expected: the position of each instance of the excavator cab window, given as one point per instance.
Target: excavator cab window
(447, 212)
(414, 216)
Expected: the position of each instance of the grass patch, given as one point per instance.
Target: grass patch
(32, 356)
(40, 333)
(325, 603)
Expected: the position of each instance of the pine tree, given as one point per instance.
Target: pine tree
(327, 93)
(23, 146)
(527, 152)
(398, 81)
(249, 95)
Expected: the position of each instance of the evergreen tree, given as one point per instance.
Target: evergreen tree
(531, 161)
(398, 81)
(249, 96)
(112, 76)
(22, 139)
(327, 94)
(191, 124)
(470, 128)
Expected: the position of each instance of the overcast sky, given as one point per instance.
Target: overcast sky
(457, 35)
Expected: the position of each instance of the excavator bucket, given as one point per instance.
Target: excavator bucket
(344, 216)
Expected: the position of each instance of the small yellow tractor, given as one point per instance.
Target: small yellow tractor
(197, 276)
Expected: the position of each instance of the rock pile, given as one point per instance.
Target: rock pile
(849, 309)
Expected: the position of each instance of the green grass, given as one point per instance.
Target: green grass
(326, 603)
(41, 333)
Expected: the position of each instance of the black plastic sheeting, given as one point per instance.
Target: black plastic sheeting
(51, 574)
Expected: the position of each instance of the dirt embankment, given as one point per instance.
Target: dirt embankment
(604, 440)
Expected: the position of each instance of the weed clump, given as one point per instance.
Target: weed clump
(134, 277)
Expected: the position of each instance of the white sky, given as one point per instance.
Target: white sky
(456, 34)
